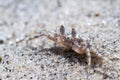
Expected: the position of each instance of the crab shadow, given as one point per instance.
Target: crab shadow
(72, 56)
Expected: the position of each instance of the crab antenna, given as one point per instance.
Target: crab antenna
(73, 32)
(62, 30)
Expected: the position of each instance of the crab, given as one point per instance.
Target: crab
(72, 42)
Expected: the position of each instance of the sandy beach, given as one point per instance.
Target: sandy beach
(39, 59)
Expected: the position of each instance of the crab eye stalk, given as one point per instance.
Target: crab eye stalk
(73, 32)
(62, 30)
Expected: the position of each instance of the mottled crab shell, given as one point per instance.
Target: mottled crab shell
(70, 41)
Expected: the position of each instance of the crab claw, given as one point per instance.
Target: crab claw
(79, 50)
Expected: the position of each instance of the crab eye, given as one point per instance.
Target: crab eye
(68, 38)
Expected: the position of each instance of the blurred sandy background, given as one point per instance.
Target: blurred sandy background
(98, 20)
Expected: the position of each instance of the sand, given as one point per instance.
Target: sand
(39, 59)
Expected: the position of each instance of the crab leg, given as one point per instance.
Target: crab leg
(45, 33)
(95, 53)
(51, 38)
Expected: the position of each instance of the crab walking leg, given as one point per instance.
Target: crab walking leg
(88, 57)
(28, 39)
(95, 53)
(46, 33)
(51, 38)
(42, 34)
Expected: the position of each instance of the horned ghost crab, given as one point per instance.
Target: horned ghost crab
(72, 42)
